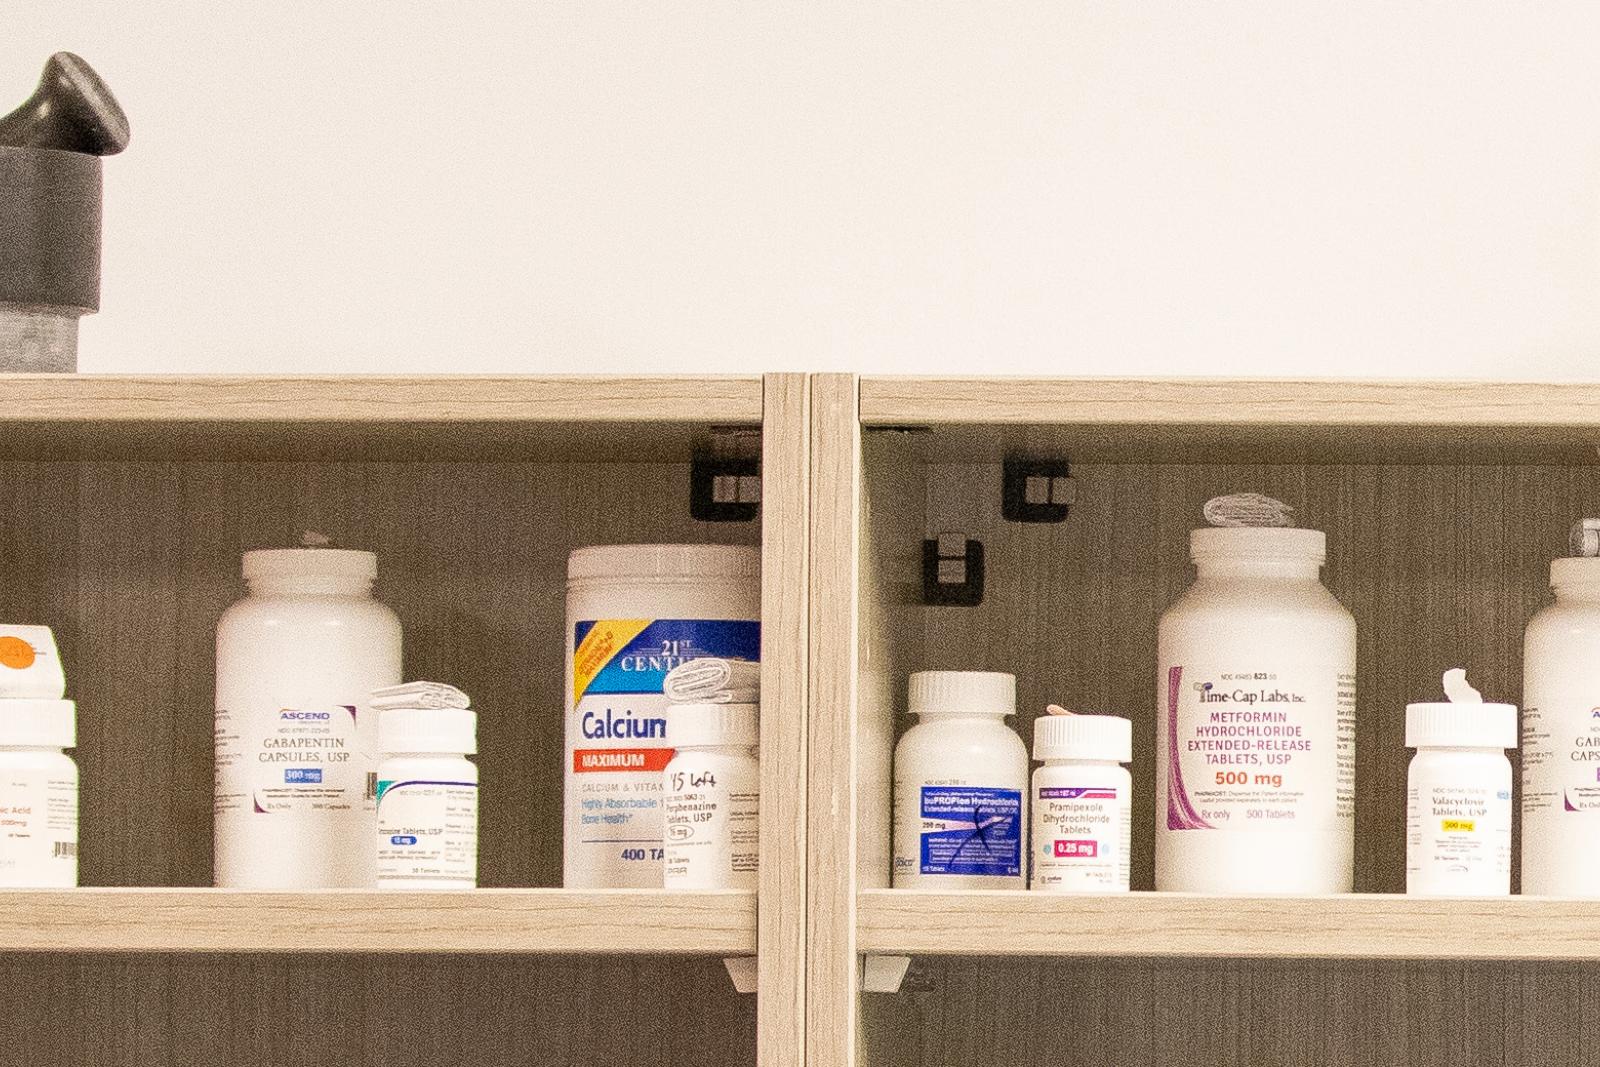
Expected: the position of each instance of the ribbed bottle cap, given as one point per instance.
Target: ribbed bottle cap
(1257, 542)
(310, 563)
(963, 693)
(664, 561)
(453, 730)
(702, 725)
(49, 723)
(1087, 737)
(1460, 725)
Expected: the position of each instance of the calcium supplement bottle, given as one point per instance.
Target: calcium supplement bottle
(1082, 803)
(1255, 751)
(427, 798)
(1561, 729)
(295, 738)
(38, 781)
(713, 797)
(961, 785)
(1458, 794)
(635, 612)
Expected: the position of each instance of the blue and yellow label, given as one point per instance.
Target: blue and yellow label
(635, 655)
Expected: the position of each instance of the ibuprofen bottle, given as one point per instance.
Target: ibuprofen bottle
(427, 799)
(1082, 803)
(960, 785)
(712, 797)
(1458, 794)
(1255, 752)
(1561, 730)
(296, 744)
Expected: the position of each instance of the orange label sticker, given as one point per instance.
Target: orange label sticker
(16, 653)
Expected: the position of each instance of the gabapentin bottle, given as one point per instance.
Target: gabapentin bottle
(38, 795)
(296, 741)
(961, 785)
(1561, 729)
(427, 799)
(1082, 804)
(1255, 752)
(712, 798)
(1458, 794)
(634, 612)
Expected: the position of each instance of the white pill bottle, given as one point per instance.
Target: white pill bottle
(961, 786)
(296, 741)
(634, 612)
(1255, 750)
(1458, 799)
(38, 794)
(1561, 733)
(1082, 804)
(713, 797)
(427, 799)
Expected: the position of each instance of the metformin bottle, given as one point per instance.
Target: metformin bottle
(1561, 729)
(296, 743)
(1255, 753)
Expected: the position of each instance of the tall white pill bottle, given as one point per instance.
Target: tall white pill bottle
(1561, 729)
(296, 740)
(961, 786)
(1255, 751)
(634, 612)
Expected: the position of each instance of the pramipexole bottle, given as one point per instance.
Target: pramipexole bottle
(1255, 753)
(1082, 803)
(295, 739)
(960, 785)
(1561, 729)
(1458, 794)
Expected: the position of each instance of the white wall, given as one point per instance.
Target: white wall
(1052, 186)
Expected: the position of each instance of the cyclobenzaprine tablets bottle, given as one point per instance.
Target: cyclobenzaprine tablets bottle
(1255, 752)
(961, 785)
(634, 612)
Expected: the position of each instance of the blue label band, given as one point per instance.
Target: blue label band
(643, 664)
(982, 831)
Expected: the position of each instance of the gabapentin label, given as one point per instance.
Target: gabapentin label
(428, 831)
(303, 761)
(969, 830)
(617, 743)
(1259, 749)
(1082, 838)
(38, 829)
(1458, 838)
(1561, 758)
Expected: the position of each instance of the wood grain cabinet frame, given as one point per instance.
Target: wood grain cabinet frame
(125, 503)
(1443, 503)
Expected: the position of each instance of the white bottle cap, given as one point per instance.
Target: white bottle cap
(664, 561)
(1460, 725)
(45, 723)
(310, 563)
(714, 725)
(452, 730)
(1574, 570)
(1257, 542)
(1086, 737)
(963, 693)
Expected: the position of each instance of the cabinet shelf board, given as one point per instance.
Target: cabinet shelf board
(493, 921)
(1181, 925)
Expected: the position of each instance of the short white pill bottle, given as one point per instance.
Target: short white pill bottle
(296, 741)
(38, 794)
(1255, 752)
(960, 785)
(1458, 799)
(712, 798)
(1082, 804)
(427, 799)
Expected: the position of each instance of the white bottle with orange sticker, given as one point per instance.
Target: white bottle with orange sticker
(635, 612)
(38, 781)
(30, 667)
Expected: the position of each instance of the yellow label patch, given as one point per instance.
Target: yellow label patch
(1457, 826)
(599, 647)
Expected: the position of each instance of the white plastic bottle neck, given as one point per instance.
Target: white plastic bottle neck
(1259, 568)
(285, 585)
(961, 716)
(1578, 592)
(726, 750)
(53, 749)
(1097, 763)
(1487, 750)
